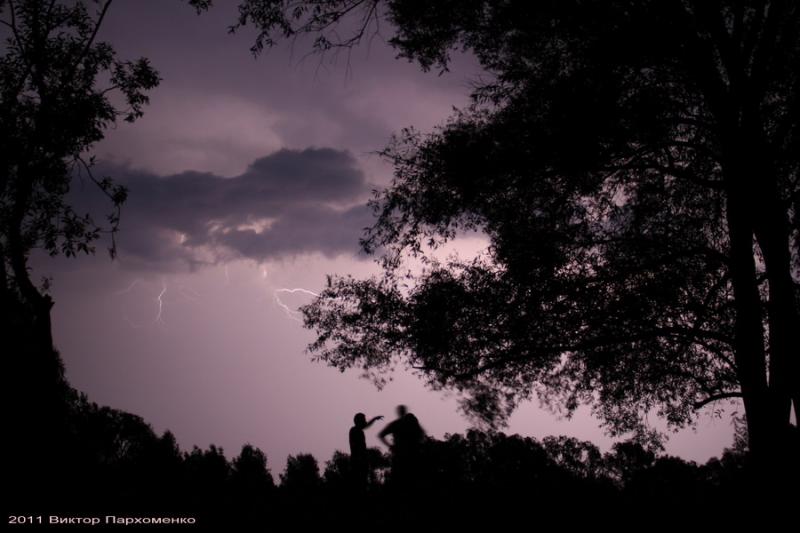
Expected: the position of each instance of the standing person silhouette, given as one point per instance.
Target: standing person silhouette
(407, 436)
(358, 450)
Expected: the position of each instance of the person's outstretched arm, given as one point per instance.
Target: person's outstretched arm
(374, 419)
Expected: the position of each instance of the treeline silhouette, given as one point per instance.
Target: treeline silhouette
(98, 460)
(67, 455)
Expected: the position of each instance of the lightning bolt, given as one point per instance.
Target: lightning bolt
(292, 314)
(132, 324)
(133, 284)
(188, 293)
(160, 301)
(128, 290)
(192, 295)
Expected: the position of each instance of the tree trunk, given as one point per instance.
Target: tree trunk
(754, 210)
(748, 335)
(772, 231)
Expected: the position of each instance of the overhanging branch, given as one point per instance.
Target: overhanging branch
(716, 397)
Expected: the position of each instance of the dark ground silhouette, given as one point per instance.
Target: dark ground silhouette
(69, 456)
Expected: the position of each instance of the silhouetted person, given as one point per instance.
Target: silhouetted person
(407, 436)
(358, 450)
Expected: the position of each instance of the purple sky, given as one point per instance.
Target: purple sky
(248, 177)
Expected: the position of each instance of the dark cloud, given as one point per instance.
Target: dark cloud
(287, 203)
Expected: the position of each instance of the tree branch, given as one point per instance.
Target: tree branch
(87, 46)
(716, 397)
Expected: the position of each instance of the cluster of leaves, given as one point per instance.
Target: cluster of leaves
(57, 98)
(593, 161)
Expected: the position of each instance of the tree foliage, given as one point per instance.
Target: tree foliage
(61, 90)
(301, 473)
(634, 167)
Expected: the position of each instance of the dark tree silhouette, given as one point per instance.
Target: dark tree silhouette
(250, 472)
(251, 487)
(338, 471)
(581, 458)
(60, 90)
(634, 165)
(207, 473)
(301, 473)
(58, 82)
(627, 460)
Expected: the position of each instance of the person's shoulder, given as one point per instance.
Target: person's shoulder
(391, 426)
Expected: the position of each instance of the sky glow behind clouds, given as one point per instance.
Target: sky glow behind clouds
(287, 203)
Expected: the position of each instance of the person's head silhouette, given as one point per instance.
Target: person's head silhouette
(360, 420)
(401, 411)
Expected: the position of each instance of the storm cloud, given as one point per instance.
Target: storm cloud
(287, 203)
